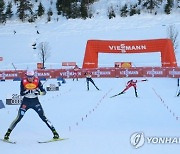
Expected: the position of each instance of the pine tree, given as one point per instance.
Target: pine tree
(2, 15)
(59, 7)
(111, 13)
(84, 9)
(9, 12)
(134, 10)
(124, 11)
(168, 6)
(49, 13)
(23, 9)
(151, 4)
(40, 10)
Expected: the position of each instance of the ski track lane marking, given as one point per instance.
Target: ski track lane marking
(91, 111)
(166, 106)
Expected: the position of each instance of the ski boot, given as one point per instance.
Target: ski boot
(56, 135)
(6, 136)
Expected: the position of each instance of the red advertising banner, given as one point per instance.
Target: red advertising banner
(109, 72)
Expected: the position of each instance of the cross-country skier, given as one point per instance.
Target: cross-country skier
(30, 88)
(75, 75)
(178, 94)
(130, 83)
(89, 79)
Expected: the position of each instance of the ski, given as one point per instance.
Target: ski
(52, 140)
(116, 95)
(8, 141)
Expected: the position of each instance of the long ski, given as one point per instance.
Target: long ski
(52, 140)
(8, 141)
(116, 95)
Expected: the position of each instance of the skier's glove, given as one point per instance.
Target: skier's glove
(42, 93)
(145, 80)
(36, 91)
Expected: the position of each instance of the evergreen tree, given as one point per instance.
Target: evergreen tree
(84, 9)
(24, 9)
(2, 15)
(151, 4)
(133, 10)
(9, 12)
(111, 13)
(64, 7)
(49, 13)
(40, 10)
(124, 11)
(59, 7)
(168, 6)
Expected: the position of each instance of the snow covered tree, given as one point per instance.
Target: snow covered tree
(49, 13)
(134, 10)
(151, 4)
(9, 12)
(173, 35)
(111, 12)
(24, 9)
(124, 11)
(40, 10)
(168, 6)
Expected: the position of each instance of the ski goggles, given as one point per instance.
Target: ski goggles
(30, 76)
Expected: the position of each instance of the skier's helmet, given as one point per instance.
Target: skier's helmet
(30, 73)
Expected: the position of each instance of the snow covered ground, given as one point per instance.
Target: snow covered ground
(93, 122)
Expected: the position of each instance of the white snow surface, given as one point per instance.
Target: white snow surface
(93, 122)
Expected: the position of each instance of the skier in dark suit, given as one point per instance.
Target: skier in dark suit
(30, 88)
(89, 79)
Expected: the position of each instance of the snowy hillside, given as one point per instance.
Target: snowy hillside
(68, 38)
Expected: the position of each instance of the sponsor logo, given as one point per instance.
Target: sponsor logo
(153, 72)
(173, 72)
(123, 47)
(129, 72)
(101, 73)
(30, 86)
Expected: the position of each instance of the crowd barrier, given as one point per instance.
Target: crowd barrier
(107, 72)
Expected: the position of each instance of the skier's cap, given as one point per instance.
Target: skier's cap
(30, 73)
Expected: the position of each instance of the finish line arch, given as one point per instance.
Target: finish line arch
(164, 46)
